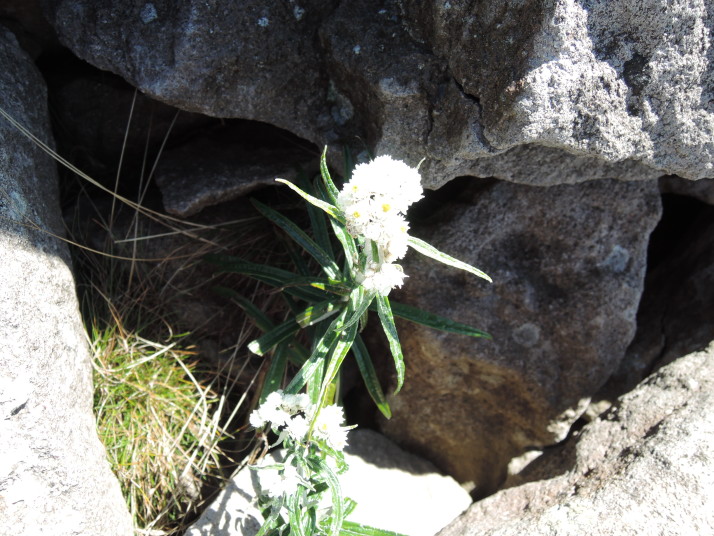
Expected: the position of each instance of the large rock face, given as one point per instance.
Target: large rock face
(643, 467)
(54, 475)
(568, 264)
(585, 89)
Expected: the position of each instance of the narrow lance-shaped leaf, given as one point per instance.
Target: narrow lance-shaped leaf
(430, 251)
(350, 528)
(316, 313)
(318, 220)
(298, 235)
(361, 301)
(345, 239)
(337, 355)
(297, 352)
(281, 332)
(318, 355)
(425, 318)
(332, 210)
(333, 483)
(290, 281)
(390, 330)
(369, 376)
(332, 190)
(271, 521)
(295, 515)
(276, 372)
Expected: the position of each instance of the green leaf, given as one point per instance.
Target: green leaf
(255, 314)
(317, 357)
(316, 313)
(390, 330)
(430, 251)
(337, 517)
(425, 318)
(276, 372)
(337, 355)
(317, 218)
(271, 521)
(298, 235)
(332, 210)
(350, 528)
(290, 281)
(369, 376)
(278, 334)
(296, 351)
(362, 301)
(295, 515)
(348, 162)
(332, 190)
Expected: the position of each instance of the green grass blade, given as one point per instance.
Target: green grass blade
(332, 190)
(425, 318)
(369, 376)
(276, 372)
(350, 528)
(390, 330)
(332, 210)
(278, 334)
(430, 251)
(298, 235)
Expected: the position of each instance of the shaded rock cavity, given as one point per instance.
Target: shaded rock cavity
(568, 265)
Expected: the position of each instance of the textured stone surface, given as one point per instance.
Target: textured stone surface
(643, 467)
(215, 169)
(394, 490)
(585, 88)
(568, 265)
(54, 476)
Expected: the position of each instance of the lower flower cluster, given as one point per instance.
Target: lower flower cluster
(292, 416)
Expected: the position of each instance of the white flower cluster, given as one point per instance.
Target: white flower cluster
(374, 203)
(290, 416)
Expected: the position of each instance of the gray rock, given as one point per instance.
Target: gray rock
(54, 475)
(492, 88)
(644, 467)
(617, 82)
(394, 490)
(568, 264)
(208, 171)
(250, 60)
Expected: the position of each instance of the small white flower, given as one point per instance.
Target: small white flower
(328, 427)
(381, 278)
(285, 413)
(275, 481)
(374, 202)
